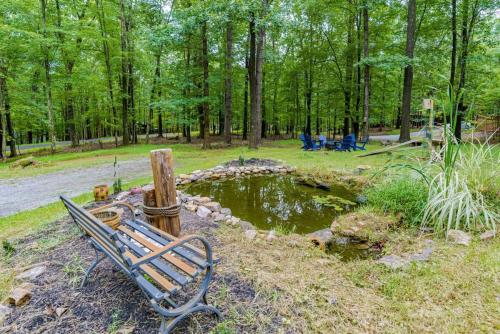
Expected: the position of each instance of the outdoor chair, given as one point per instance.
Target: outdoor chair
(310, 144)
(160, 264)
(363, 144)
(322, 141)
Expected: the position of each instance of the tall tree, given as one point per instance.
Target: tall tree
(408, 76)
(124, 75)
(256, 75)
(228, 85)
(348, 69)
(206, 110)
(468, 24)
(48, 82)
(366, 53)
(109, 70)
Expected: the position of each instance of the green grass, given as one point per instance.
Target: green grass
(190, 157)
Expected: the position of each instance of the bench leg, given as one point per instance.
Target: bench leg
(92, 267)
(168, 325)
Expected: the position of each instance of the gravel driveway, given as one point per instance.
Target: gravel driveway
(32, 192)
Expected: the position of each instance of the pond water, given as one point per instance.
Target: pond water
(278, 201)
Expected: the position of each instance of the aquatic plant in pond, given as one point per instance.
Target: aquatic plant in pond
(276, 201)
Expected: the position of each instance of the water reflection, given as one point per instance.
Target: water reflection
(270, 201)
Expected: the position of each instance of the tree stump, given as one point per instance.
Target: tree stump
(165, 193)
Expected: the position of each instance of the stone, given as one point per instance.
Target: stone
(186, 181)
(203, 200)
(184, 176)
(393, 261)
(250, 234)
(321, 237)
(423, 256)
(213, 206)
(203, 212)
(19, 296)
(487, 235)
(362, 226)
(31, 273)
(271, 236)
(226, 211)
(246, 225)
(4, 312)
(122, 195)
(219, 217)
(459, 237)
(235, 220)
(61, 310)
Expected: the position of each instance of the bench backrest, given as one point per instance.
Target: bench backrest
(99, 232)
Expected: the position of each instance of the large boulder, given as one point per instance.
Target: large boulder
(362, 226)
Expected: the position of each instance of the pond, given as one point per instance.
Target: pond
(278, 201)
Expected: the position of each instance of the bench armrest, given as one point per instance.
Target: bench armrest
(170, 246)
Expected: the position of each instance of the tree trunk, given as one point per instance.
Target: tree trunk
(188, 92)
(348, 70)
(109, 71)
(48, 86)
(453, 42)
(366, 100)
(124, 74)
(408, 77)
(256, 97)
(206, 111)
(252, 80)
(245, 98)
(467, 28)
(228, 96)
(5, 105)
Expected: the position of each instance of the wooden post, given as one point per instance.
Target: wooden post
(149, 198)
(165, 193)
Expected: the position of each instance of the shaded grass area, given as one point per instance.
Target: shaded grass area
(193, 157)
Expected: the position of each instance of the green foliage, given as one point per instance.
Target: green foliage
(117, 183)
(8, 248)
(403, 196)
(338, 203)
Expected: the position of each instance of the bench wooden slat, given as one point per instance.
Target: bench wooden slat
(164, 267)
(169, 237)
(185, 252)
(168, 257)
(165, 283)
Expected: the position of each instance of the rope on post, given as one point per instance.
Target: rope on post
(166, 211)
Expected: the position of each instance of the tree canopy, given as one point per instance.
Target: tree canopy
(72, 70)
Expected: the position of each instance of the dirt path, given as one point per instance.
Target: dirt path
(32, 192)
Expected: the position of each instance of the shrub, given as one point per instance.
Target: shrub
(400, 196)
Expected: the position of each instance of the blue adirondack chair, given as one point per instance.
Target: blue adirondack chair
(310, 144)
(347, 143)
(363, 144)
(322, 141)
(303, 139)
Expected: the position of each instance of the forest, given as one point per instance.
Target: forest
(74, 70)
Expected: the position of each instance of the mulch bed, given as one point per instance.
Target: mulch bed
(110, 299)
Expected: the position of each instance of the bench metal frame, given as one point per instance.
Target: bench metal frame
(172, 313)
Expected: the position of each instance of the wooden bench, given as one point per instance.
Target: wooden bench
(160, 264)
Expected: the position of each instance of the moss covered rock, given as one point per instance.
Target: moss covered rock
(364, 226)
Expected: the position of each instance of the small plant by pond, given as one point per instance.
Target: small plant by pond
(278, 201)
